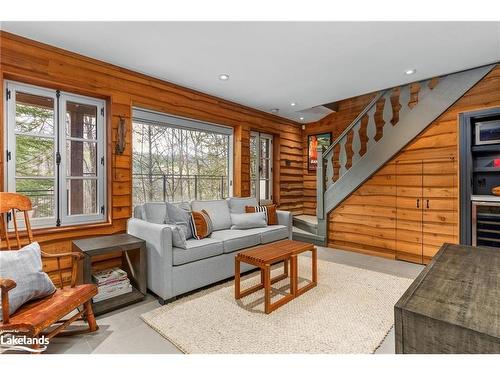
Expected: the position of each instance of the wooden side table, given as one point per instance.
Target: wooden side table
(133, 251)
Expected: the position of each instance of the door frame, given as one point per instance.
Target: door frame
(465, 166)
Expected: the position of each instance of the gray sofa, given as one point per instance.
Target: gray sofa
(173, 271)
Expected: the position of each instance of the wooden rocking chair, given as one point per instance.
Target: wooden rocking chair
(42, 316)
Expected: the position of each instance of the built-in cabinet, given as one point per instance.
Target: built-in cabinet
(426, 207)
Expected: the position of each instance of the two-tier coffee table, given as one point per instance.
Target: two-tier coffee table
(264, 257)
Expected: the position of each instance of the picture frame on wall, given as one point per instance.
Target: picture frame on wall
(313, 142)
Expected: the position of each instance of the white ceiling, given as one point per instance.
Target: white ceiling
(275, 63)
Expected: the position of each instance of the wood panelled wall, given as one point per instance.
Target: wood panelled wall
(31, 62)
(366, 220)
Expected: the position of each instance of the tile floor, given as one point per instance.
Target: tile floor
(122, 331)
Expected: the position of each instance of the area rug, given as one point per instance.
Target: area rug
(350, 311)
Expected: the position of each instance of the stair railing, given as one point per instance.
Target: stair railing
(363, 133)
(390, 121)
(324, 155)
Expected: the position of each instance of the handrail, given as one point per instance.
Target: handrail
(352, 124)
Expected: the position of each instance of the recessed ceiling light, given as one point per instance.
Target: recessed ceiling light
(293, 104)
(275, 110)
(224, 77)
(410, 72)
(301, 118)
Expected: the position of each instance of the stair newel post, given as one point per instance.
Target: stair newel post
(320, 184)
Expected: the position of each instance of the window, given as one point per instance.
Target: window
(177, 159)
(261, 167)
(55, 154)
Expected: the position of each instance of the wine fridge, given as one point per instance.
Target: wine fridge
(486, 224)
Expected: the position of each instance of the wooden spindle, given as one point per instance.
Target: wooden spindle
(362, 135)
(425, 88)
(329, 170)
(14, 219)
(371, 127)
(342, 157)
(28, 226)
(336, 163)
(388, 113)
(4, 229)
(1, 231)
(404, 101)
(356, 143)
(348, 149)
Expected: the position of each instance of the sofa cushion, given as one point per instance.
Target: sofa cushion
(237, 205)
(154, 212)
(196, 250)
(247, 221)
(235, 239)
(179, 214)
(271, 233)
(218, 211)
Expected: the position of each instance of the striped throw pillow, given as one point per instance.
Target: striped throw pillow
(269, 210)
(201, 224)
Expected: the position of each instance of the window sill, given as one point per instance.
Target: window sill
(70, 228)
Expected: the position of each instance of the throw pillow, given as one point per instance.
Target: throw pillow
(269, 210)
(179, 216)
(201, 224)
(153, 212)
(178, 236)
(247, 221)
(24, 266)
(237, 205)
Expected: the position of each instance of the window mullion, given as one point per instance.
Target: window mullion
(58, 159)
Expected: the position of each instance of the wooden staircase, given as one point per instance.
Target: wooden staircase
(390, 121)
(305, 229)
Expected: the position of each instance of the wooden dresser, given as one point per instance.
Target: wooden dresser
(453, 306)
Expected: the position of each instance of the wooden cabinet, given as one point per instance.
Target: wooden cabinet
(452, 306)
(426, 207)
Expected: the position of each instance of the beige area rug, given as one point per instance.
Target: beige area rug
(350, 311)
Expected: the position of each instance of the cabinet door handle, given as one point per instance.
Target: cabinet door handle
(418, 203)
(427, 203)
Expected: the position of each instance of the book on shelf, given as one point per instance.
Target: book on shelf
(109, 276)
(111, 283)
(101, 296)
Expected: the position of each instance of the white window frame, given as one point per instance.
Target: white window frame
(59, 136)
(100, 170)
(159, 118)
(258, 136)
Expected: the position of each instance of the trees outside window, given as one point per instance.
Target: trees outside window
(177, 164)
(55, 153)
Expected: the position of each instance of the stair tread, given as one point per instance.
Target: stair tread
(309, 219)
(306, 233)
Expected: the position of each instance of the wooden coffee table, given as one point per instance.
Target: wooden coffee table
(264, 257)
